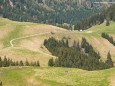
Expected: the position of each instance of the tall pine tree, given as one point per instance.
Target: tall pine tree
(109, 61)
(0, 62)
(0, 83)
(51, 62)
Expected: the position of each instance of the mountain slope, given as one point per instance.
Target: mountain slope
(49, 11)
(26, 47)
(32, 35)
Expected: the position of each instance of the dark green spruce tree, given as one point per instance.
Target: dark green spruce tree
(37, 63)
(0, 83)
(109, 61)
(21, 63)
(0, 62)
(27, 63)
(51, 62)
(81, 56)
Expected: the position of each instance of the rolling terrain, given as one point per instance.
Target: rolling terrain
(58, 12)
(18, 38)
(24, 40)
(45, 76)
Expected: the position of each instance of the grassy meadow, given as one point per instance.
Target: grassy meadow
(46, 76)
(32, 48)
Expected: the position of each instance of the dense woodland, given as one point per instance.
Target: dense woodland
(63, 13)
(6, 62)
(69, 14)
(109, 38)
(81, 56)
(108, 15)
(89, 22)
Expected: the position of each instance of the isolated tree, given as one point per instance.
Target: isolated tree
(37, 63)
(51, 62)
(27, 63)
(107, 19)
(109, 61)
(0, 62)
(107, 23)
(5, 62)
(0, 83)
(17, 63)
(21, 63)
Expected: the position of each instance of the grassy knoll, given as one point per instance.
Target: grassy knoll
(103, 28)
(32, 47)
(12, 29)
(33, 44)
(35, 76)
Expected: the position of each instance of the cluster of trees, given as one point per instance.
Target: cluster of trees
(109, 38)
(108, 15)
(64, 13)
(89, 49)
(47, 11)
(90, 21)
(6, 62)
(81, 56)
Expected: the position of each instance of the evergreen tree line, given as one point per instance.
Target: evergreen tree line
(6, 62)
(64, 13)
(55, 12)
(81, 56)
(108, 15)
(89, 22)
(89, 49)
(109, 38)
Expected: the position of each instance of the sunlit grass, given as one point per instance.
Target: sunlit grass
(54, 76)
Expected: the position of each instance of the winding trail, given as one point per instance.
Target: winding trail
(11, 41)
(34, 35)
(39, 34)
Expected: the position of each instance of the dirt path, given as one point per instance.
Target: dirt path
(11, 41)
(39, 34)
(112, 81)
(34, 35)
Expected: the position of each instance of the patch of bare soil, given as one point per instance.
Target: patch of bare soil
(112, 81)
